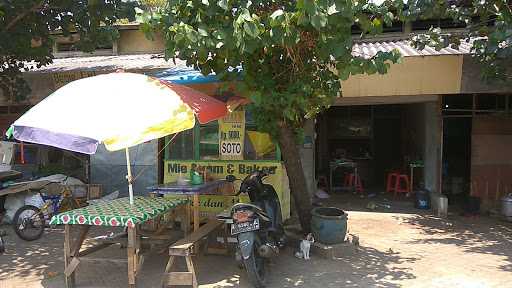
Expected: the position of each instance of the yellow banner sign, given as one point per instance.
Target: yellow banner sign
(240, 169)
(231, 135)
(63, 78)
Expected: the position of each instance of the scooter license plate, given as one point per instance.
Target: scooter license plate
(237, 228)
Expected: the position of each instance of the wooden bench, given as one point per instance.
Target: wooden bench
(185, 248)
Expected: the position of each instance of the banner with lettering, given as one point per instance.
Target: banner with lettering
(62, 78)
(240, 169)
(231, 135)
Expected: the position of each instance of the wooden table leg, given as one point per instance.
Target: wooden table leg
(132, 256)
(70, 280)
(196, 212)
(71, 255)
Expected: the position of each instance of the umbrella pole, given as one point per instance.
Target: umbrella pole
(129, 176)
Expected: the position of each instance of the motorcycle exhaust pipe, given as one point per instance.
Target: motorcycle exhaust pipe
(268, 250)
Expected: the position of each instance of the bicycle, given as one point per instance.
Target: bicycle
(29, 221)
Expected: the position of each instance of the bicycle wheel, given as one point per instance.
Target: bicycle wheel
(29, 223)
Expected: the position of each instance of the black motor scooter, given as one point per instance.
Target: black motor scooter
(257, 225)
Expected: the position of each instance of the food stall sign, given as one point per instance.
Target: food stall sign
(175, 169)
(231, 136)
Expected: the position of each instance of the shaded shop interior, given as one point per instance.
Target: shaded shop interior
(460, 143)
(380, 139)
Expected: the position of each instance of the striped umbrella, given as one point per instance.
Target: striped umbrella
(119, 110)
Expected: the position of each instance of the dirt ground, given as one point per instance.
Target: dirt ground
(399, 247)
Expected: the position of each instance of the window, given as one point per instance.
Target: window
(182, 147)
(209, 141)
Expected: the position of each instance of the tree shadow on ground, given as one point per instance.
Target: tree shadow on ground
(367, 268)
(30, 260)
(26, 263)
(40, 264)
(484, 235)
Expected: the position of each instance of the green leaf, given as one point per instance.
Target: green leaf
(219, 34)
(202, 31)
(245, 14)
(388, 19)
(376, 22)
(277, 13)
(251, 29)
(223, 4)
(344, 74)
(332, 10)
(310, 6)
(319, 21)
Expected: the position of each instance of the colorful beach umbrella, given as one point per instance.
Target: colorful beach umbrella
(119, 110)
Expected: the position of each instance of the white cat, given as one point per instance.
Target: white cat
(305, 245)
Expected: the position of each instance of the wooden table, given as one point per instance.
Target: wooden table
(207, 188)
(117, 212)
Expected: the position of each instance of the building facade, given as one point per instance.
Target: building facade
(432, 109)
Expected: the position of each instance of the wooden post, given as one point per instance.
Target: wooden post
(70, 280)
(196, 211)
(132, 256)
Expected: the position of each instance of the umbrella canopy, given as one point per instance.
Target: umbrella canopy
(118, 109)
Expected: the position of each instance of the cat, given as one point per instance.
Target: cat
(305, 245)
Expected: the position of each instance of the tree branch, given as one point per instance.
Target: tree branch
(23, 15)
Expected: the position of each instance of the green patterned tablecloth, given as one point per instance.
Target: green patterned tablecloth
(118, 212)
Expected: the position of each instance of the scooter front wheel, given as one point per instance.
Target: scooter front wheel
(256, 269)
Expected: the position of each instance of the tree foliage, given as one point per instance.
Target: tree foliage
(288, 56)
(488, 29)
(26, 27)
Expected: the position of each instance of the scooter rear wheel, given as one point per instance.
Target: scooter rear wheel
(256, 269)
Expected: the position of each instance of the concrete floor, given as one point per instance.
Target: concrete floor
(400, 247)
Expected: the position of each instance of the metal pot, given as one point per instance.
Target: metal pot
(506, 206)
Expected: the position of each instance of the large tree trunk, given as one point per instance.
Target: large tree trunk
(298, 186)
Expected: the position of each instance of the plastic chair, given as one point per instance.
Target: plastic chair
(354, 181)
(398, 186)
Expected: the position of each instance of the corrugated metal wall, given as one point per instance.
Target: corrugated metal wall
(109, 168)
(491, 160)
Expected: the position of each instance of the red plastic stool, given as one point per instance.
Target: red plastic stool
(391, 181)
(398, 186)
(355, 181)
(346, 180)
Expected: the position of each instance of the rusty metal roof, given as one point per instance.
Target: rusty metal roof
(110, 63)
(369, 49)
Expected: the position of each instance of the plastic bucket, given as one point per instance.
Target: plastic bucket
(422, 199)
(329, 225)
